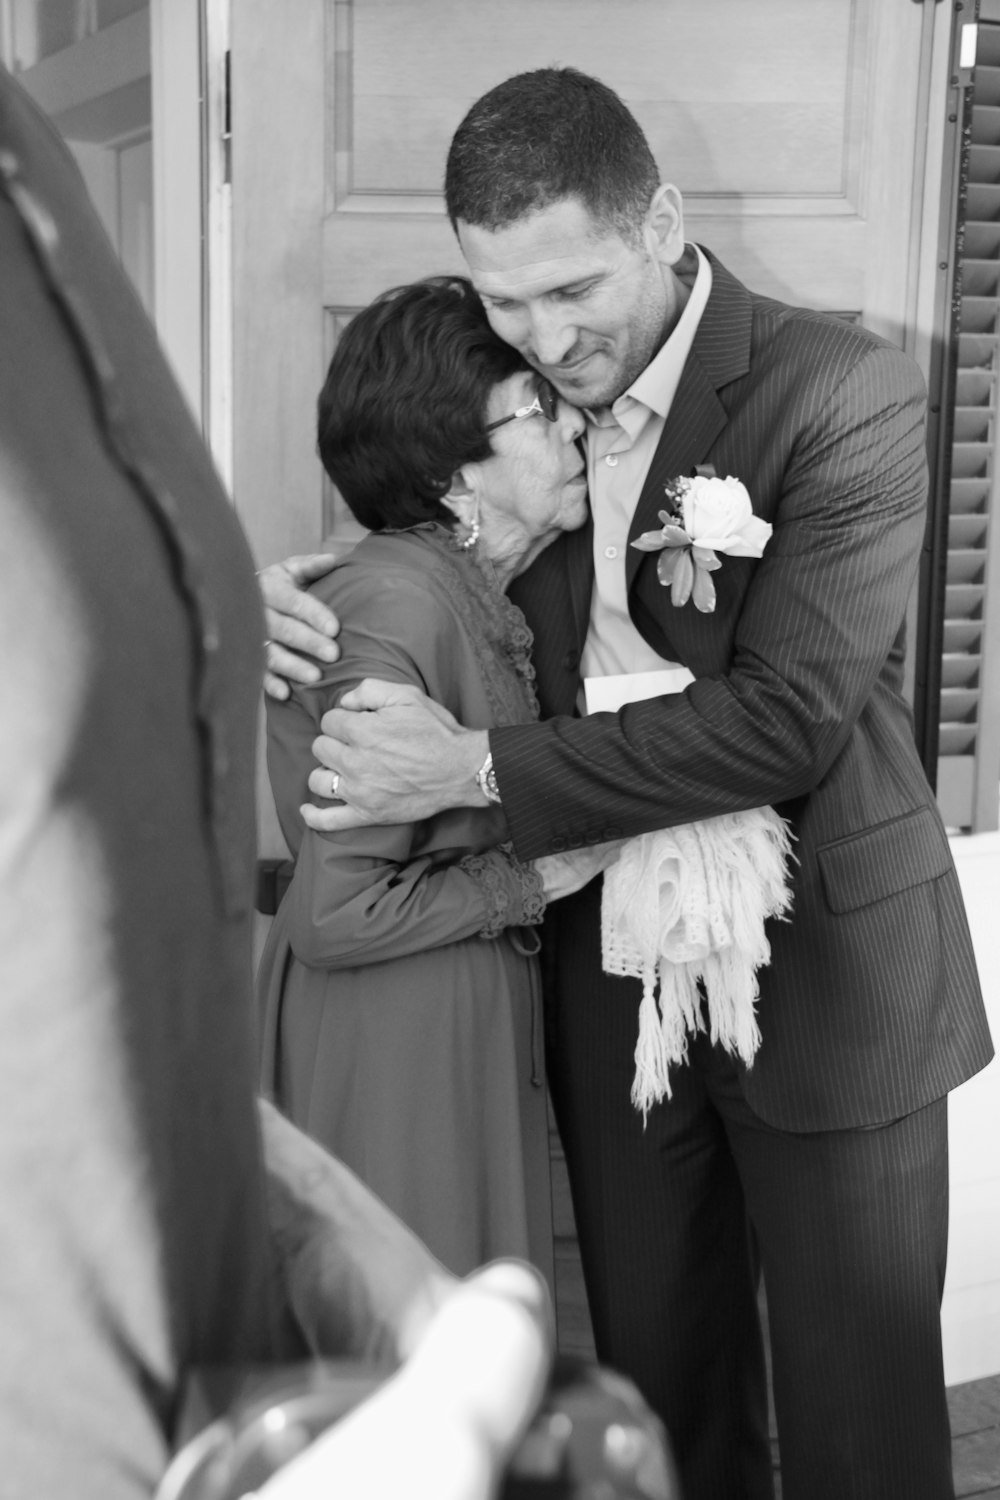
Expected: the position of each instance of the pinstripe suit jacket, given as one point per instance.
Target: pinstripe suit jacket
(871, 1006)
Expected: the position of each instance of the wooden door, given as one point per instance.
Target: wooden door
(796, 148)
(796, 152)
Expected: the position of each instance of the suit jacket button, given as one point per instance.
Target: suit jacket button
(611, 833)
(572, 660)
(557, 845)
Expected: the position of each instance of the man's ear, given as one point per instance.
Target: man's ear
(664, 225)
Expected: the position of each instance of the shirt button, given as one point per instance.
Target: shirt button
(611, 460)
(611, 552)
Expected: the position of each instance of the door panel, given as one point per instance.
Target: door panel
(756, 113)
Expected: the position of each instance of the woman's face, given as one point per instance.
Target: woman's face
(535, 483)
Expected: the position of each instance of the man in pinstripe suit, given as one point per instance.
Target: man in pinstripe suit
(826, 1163)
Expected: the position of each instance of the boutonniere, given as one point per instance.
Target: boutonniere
(705, 515)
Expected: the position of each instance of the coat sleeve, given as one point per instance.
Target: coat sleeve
(822, 616)
(379, 893)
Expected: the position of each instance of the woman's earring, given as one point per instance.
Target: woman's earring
(473, 537)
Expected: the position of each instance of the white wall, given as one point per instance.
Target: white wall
(970, 1315)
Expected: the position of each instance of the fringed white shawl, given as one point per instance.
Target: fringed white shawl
(687, 905)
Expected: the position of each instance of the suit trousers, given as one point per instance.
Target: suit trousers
(676, 1221)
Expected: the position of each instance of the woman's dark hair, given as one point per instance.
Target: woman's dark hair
(405, 398)
(544, 136)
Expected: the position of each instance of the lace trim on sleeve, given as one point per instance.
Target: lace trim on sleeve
(513, 892)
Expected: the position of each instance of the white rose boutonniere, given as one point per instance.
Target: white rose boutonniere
(706, 515)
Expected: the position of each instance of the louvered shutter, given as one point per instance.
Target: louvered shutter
(968, 769)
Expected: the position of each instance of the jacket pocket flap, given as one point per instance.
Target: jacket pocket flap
(882, 861)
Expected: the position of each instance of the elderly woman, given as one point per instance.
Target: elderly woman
(399, 987)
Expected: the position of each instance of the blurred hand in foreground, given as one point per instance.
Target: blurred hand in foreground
(446, 1424)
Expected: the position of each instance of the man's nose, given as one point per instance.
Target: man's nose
(553, 334)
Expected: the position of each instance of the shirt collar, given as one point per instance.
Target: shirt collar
(656, 386)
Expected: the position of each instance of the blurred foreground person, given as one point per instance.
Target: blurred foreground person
(153, 1218)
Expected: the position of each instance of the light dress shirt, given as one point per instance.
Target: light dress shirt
(621, 441)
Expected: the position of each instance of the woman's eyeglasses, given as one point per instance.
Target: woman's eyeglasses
(545, 404)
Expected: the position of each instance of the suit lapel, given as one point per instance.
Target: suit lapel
(579, 563)
(720, 354)
(694, 421)
(556, 590)
(555, 596)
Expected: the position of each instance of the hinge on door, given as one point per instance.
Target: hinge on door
(227, 118)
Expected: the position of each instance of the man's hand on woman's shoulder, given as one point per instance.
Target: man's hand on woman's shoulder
(299, 626)
(389, 754)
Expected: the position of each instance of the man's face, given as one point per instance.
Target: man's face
(586, 308)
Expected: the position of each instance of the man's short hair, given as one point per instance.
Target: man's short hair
(404, 403)
(544, 136)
